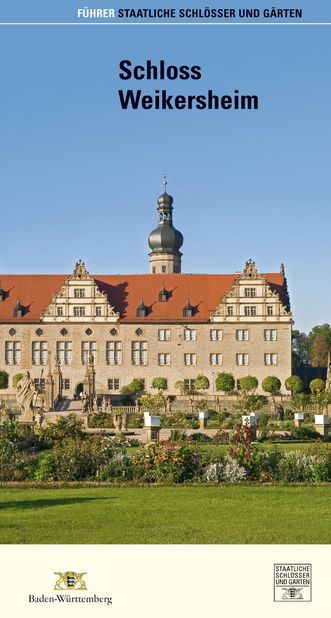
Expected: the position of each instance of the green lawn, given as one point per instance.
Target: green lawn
(225, 514)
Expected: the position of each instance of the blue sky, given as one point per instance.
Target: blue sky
(80, 177)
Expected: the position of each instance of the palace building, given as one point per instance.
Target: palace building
(162, 324)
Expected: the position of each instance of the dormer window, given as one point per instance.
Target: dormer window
(141, 311)
(163, 295)
(188, 310)
(59, 312)
(2, 295)
(18, 310)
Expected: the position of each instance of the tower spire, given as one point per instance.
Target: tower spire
(165, 241)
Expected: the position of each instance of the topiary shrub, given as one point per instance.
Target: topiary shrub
(200, 437)
(17, 378)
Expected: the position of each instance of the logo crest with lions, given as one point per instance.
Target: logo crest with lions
(70, 581)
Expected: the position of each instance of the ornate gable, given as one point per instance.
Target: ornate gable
(251, 299)
(79, 300)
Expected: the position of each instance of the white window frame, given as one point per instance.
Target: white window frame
(250, 311)
(190, 334)
(190, 358)
(270, 334)
(88, 347)
(64, 352)
(79, 312)
(164, 334)
(116, 384)
(270, 359)
(242, 334)
(39, 352)
(216, 334)
(114, 352)
(242, 359)
(139, 353)
(164, 358)
(216, 359)
(13, 352)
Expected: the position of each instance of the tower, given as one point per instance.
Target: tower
(165, 241)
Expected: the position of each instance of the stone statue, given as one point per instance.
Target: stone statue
(84, 402)
(95, 406)
(124, 424)
(280, 412)
(117, 419)
(104, 405)
(25, 392)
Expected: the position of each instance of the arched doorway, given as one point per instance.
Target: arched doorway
(79, 389)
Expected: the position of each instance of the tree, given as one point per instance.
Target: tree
(134, 389)
(319, 344)
(4, 377)
(17, 378)
(317, 386)
(153, 403)
(300, 353)
(248, 384)
(201, 383)
(225, 383)
(179, 385)
(160, 383)
(272, 385)
(294, 384)
(250, 403)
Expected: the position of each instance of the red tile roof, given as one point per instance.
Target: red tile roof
(125, 293)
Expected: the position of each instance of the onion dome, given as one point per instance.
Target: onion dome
(165, 238)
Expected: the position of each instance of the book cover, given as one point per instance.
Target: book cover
(165, 334)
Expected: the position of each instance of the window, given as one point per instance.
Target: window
(190, 359)
(215, 359)
(164, 334)
(59, 312)
(164, 269)
(39, 352)
(250, 292)
(113, 384)
(270, 359)
(242, 335)
(190, 334)
(250, 310)
(270, 335)
(242, 359)
(64, 352)
(13, 352)
(230, 310)
(164, 359)
(189, 384)
(188, 310)
(216, 334)
(98, 312)
(79, 293)
(163, 295)
(65, 384)
(270, 310)
(89, 347)
(39, 384)
(139, 352)
(141, 311)
(114, 352)
(79, 312)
